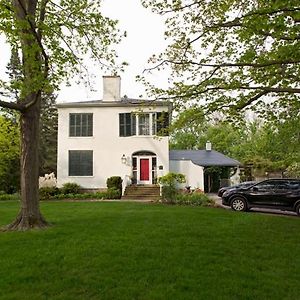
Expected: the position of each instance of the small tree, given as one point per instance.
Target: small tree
(169, 182)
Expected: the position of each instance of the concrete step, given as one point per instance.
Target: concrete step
(141, 192)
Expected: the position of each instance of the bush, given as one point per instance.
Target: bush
(168, 194)
(70, 188)
(46, 193)
(9, 197)
(115, 182)
(171, 179)
(113, 193)
(197, 199)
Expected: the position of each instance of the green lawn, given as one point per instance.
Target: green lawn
(101, 250)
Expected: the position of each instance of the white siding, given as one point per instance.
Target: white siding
(194, 174)
(107, 146)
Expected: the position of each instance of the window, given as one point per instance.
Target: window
(80, 163)
(143, 124)
(81, 124)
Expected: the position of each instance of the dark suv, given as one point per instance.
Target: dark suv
(283, 194)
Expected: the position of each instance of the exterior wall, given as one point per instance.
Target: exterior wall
(107, 146)
(194, 174)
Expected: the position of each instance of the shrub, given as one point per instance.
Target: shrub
(169, 190)
(70, 188)
(113, 193)
(9, 197)
(114, 182)
(168, 194)
(171, 179)
(46, 193)
(197, 199)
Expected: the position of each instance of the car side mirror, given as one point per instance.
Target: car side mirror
(255, 188)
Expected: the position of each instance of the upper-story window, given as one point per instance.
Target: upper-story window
(143, 124)
(81, 124)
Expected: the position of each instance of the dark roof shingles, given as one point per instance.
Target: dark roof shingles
(204, 158)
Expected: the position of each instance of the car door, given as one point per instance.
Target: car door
(262, 194)
(282, 194)
(287, 193)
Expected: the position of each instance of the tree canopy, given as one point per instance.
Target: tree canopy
(231, 55)
(263, 145)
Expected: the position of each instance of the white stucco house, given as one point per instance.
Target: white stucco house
(122, 137)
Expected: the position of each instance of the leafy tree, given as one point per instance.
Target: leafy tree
(9, 155)
(48, 120)
(52, 38)
(264, 145)
(231, 54)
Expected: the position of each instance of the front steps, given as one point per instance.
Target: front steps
(141, 192)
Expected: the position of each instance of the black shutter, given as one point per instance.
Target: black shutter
(124, 124)
(162, 123)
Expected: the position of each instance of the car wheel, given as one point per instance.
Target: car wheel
(298, 210)
(239, 204)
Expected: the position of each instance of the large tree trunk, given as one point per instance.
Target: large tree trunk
(29, 216)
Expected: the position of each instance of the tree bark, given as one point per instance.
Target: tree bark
(29, 216)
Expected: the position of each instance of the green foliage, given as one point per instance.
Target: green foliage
(46, 193)
(232, 56)
(70, 188)
(67, 32)
(9, 154)
(268, 145)
(114, 182)
(171, 179)
(112, 193)
(10, 197)
(293, 170)
(194, 199)
(169, 193)
(169, 182)
(49, 193)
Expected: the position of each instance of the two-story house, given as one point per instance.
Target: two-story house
(124, 137)
(112, 137)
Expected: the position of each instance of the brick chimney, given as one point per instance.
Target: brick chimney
(111, 88)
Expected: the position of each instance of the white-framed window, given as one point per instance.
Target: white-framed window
(80, 124)
(143, 124)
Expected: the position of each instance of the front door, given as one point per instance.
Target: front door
(144, 171)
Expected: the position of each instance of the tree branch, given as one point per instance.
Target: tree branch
(12, 105)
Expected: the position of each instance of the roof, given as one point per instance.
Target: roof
(204, 158)
(124, 102)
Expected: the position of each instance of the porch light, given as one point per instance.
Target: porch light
(123, 159)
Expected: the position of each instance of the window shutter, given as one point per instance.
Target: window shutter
(162, 123)
(124, 124)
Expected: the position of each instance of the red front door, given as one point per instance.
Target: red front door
(144, 169)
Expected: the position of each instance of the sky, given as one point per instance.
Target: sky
(145, 36)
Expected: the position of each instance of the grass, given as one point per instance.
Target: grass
(144, 251)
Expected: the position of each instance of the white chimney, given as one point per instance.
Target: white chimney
(208, 146)
(111, 88)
